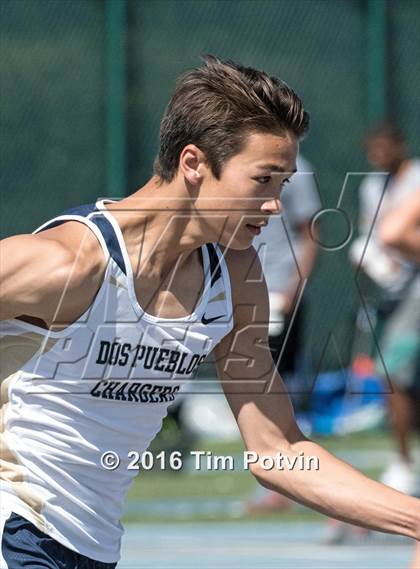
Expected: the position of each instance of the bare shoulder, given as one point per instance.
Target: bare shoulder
(75, 240)
(61, 267)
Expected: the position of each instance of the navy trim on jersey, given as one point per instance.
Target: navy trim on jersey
(105, 227)
(53, 224)
(82, 210)
(111, 240)
(216, 270)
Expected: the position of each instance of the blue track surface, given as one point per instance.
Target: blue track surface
(263, 545)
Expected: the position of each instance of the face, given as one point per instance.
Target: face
(383, 152)
(249, 188)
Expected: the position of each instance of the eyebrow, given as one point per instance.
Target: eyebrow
(275, 168)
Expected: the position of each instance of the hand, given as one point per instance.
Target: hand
(288, 301)
(281, 304)
(277, 314)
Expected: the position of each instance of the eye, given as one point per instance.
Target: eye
(263, 179)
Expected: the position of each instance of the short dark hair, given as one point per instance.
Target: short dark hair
(386, 129)
(217, 105)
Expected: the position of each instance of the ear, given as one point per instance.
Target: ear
(191, 163)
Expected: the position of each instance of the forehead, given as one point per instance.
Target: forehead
(265, 149)
(381, 141)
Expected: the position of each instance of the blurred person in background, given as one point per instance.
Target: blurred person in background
(287, 251)
(385, 197)
(400, 230)
(396, 276)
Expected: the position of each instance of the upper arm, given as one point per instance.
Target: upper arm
(32, 270)
(253, 387)
(370, 194)
(400, 221)
(46, 277)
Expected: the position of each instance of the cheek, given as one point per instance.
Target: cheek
(232, 229)
(243, 201)
(237, 197)
(235, 184)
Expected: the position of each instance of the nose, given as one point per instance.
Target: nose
(272, 206)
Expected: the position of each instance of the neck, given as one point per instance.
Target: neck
(161, 225)
(397, 164)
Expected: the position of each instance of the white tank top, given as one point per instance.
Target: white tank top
(103, 383)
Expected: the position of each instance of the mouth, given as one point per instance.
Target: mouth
(255, 229)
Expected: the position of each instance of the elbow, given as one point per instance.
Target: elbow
(266, 466)
(391, 234)
(262, 477)
(273, 467)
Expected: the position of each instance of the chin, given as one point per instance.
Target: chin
(236, 244)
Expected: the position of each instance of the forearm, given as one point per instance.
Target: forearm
(409, 245)
(340, 491)
(400, 227)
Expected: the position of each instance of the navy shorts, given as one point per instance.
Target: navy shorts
(24, 546)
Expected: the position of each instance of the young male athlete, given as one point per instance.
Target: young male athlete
(108, 309)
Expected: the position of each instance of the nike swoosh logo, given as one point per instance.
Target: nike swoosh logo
(205, 320)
